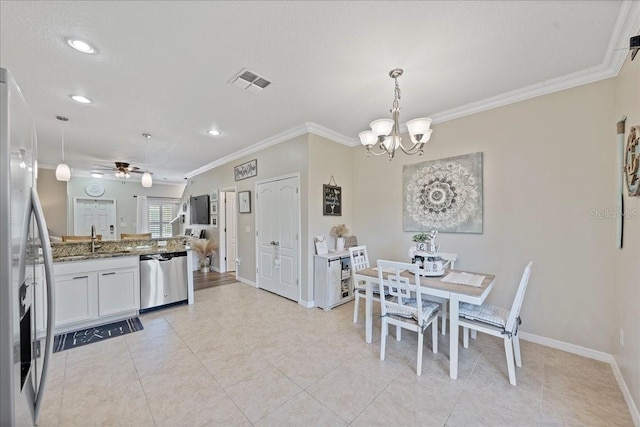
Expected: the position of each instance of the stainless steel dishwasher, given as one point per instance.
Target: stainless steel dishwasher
(163, 279)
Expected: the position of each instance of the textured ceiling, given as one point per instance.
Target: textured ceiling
(164, 67)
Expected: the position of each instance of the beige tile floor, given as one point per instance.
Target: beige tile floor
(242, 356)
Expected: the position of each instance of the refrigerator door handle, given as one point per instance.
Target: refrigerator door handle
(50, 286)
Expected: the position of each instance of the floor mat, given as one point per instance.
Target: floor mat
(95, 334)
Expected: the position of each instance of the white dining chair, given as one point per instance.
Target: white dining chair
(360, 261)
(499, 322)
(405, 309)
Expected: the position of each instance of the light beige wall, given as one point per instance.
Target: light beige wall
(53, 197)
(326, 159)
(122, 192)
(627, 260)
(547, 166)
(281, 159)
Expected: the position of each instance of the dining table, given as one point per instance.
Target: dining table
(434, 286)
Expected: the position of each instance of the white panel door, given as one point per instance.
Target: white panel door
(278, 219)
(101, 213)
(230, 229)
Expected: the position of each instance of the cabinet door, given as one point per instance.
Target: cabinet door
(118, 291)
(75, 298)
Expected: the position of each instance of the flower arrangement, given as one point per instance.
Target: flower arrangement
(423, 237)
(204, 247)
(339, 230)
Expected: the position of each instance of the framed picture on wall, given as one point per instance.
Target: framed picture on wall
(214, 195)
(331, 200)
(214, 208)
(246, 170)
(244, 201)
(214, 221)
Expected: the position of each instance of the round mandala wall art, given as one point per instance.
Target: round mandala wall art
(444, 195)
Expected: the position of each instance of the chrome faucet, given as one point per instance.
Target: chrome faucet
(93, 240)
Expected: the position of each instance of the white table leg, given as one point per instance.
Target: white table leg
(453, 337)
(368, 312)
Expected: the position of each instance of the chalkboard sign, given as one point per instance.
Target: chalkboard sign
(331, 200)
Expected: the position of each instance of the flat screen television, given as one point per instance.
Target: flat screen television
(199, 209)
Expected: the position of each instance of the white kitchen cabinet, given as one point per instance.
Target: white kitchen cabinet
(118, 291)
(75, 298)
(94, 292)
(332, 280)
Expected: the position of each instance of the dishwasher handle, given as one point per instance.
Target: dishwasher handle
(163, 257)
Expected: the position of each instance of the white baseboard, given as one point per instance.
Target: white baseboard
(569, 348)
(592, 354)
(307, 304)
(246, 281)
(635, 414)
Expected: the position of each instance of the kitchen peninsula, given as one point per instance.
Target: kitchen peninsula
(103, 286)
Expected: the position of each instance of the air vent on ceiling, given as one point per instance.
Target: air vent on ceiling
(249, 81)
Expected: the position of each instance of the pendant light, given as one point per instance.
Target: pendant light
(63, 173)
(147, 181)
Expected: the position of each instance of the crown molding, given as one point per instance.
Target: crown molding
(627, 24)
(308, 127)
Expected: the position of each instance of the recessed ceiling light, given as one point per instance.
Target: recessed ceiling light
(96, 174)
(81, 46)
(81, 99)
(214, 132)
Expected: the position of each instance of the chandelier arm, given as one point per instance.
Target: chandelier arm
(417, 148)
(382, 152)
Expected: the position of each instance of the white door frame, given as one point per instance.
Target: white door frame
(222, 225)
(71, 226)
(256, 222)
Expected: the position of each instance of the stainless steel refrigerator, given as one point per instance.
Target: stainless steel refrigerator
(26, 295)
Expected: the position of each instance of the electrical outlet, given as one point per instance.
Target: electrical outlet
(621, 337)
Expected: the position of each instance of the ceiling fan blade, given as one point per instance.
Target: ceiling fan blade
(104, 167)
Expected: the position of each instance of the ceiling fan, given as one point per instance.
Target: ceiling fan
(121, 169)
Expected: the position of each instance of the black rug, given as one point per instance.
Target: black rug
(95, 334)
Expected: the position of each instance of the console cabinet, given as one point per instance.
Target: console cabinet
(95, 292)
(332, 280)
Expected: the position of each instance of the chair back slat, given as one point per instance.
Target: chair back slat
(398, 286)
(359, 258)
(519, 298)
(450, 259)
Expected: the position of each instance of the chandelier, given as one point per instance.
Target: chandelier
(386, 132)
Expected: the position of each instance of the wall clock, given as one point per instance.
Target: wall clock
(632, 161)
(94, 189)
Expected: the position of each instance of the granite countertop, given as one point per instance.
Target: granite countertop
(104, 255)
(81, 251)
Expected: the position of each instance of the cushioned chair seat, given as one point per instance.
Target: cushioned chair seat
(428, 308)
(487, 313)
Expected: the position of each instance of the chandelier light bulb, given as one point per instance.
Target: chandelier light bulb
(367, 138)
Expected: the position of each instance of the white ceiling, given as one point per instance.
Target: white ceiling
(164, 68)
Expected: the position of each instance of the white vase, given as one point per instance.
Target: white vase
(340, 244)
(204, 265)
